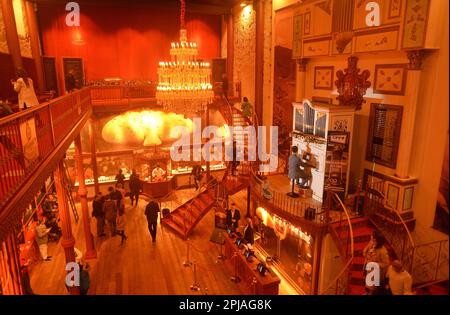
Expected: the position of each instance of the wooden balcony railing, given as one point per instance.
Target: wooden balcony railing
(28, 137)
(124, 95)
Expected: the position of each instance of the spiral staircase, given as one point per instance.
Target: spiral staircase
(184, 218)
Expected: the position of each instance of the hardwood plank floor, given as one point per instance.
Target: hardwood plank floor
(140, 266)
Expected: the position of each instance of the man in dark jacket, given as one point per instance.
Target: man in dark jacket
(115, 195)
(98, 214)
(233, 217)
(151, 212)
(135, 187)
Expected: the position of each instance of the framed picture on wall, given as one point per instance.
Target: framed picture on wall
(383, 140)
(390, 79)
(323, 77)
(73, 66)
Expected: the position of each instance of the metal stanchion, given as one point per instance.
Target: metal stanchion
(187, 263)
(195, 286)
(254, 282)
(220, 256)
(235, 278)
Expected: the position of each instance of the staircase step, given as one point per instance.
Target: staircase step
(174, 227)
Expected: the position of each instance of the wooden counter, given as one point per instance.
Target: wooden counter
(251, 281)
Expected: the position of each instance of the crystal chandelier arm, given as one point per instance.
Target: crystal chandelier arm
(182, 14)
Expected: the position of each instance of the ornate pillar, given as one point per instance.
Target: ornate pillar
(316, 263)
(230, 54)
(300, 81)
(11, 33)
(409, 112)
(259, 59)
(67, 240)
(82, 193)
(93, 155)
(35, 48)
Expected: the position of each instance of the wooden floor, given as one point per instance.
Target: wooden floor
(140, 266)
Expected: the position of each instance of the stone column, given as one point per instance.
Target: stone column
(67, 240)
(259, 59)
(230, 54)
(409, 112)
(300, 80)
(93, 155)
(82, 193)
(11, 33)
(35, 48)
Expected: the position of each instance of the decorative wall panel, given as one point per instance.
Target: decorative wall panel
(390, 79)
(316, 48)
(382, 41)
(297, 40)
(415, 23)
(395, 8)
(323, 78)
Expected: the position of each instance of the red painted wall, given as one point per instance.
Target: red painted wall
(123, 41)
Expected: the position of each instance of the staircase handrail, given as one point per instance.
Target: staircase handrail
(409, 239)
(345, 271)
(211, 183)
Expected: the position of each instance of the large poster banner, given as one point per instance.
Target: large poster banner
(336, 162)
(29, 141)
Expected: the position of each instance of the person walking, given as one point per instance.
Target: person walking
(135, 187)
(376, 252)
(120, 223)
(42, 239)
(24, 87)
(110, 210)
(151, 212)
(247, 109)
(98, 214)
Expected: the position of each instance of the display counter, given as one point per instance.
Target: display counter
(251, 280)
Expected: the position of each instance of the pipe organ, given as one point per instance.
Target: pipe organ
(323, 131)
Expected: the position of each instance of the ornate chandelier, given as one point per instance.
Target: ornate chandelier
(184, 83)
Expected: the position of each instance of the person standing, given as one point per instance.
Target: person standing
(110, 210)
(98, 214)
(151, 212)
(135, 187)
(24, 87)
(247, 109)
(248, 232)
(85, 282)
(42, 239)
(120, 179)
(399, 280)
(120, 223)
(232, 217)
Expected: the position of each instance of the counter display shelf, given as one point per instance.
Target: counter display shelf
(251, 280)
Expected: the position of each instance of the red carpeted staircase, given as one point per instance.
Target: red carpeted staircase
(362, 229)
(184, 218)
